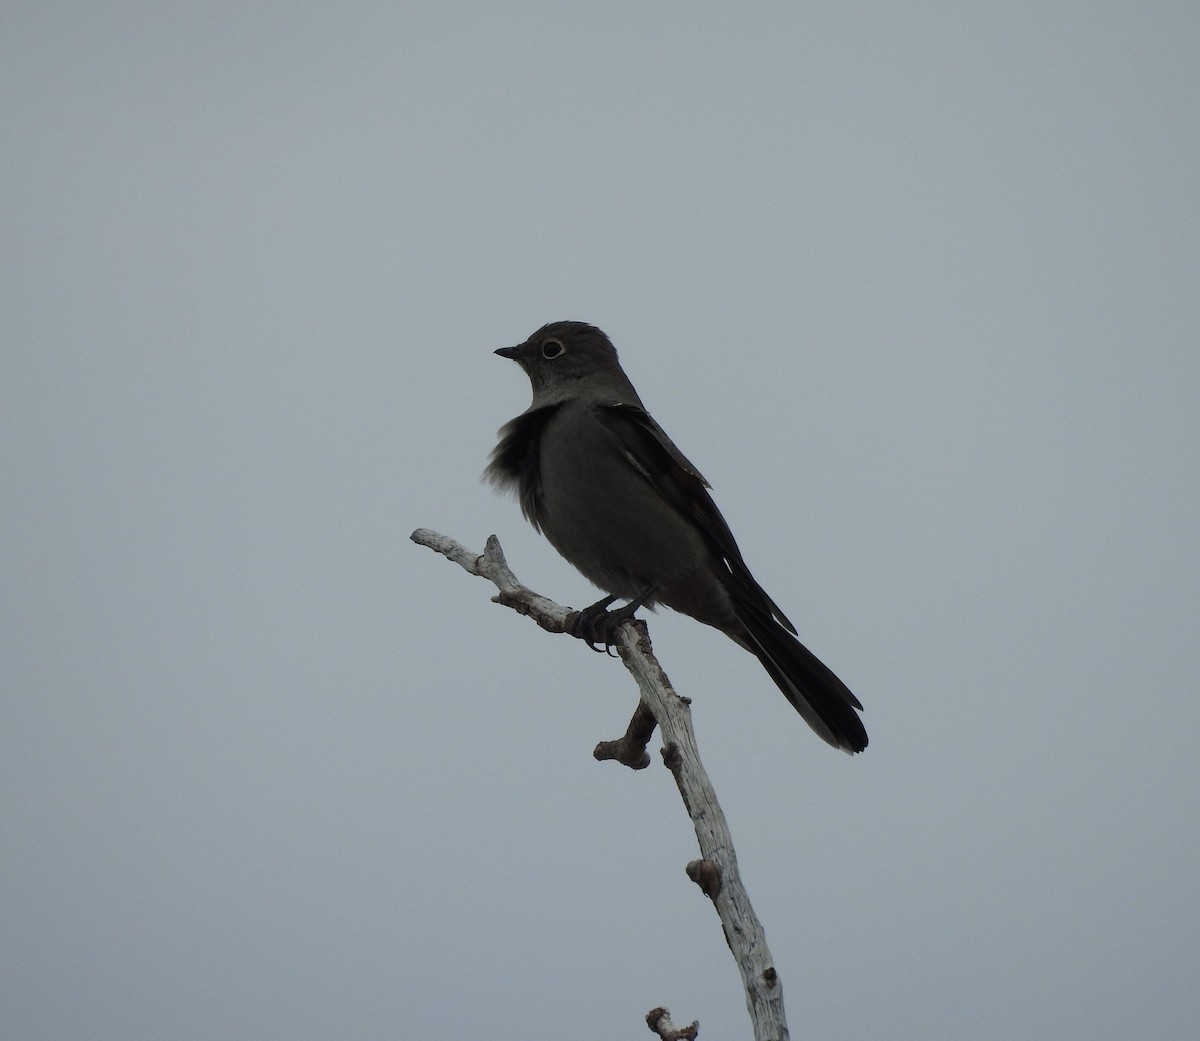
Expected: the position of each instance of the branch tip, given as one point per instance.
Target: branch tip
(659, 1021)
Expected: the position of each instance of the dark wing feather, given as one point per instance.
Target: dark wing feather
(680, 483)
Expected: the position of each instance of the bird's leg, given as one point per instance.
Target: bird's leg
(598, 625)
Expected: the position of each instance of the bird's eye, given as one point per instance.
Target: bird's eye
(552, 348)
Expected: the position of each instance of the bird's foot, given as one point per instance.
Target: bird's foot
(597, 625)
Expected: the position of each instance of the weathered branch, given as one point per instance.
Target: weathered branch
(630, 750)
(716, 873)
(659, 1020)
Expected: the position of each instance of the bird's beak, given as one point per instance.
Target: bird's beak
(510, 352)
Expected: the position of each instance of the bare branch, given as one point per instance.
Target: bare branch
(659, 1020)
(716, 873)
(630, 750)
(491, 565)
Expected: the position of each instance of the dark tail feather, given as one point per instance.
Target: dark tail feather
(818, 695)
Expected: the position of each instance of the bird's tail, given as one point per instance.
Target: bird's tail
(809, 684)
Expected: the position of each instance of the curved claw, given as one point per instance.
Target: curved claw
(597, 626)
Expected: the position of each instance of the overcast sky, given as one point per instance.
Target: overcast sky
(916, 286)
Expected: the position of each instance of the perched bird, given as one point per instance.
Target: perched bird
(599, 478)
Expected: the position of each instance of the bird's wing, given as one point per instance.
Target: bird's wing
(649, 449)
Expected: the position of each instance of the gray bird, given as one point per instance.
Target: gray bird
(600, 479)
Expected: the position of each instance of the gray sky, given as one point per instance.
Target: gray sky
(915, 287)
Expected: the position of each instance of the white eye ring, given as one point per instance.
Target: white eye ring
(552, 348)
